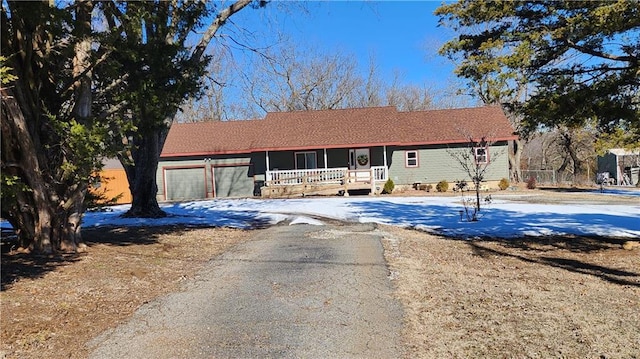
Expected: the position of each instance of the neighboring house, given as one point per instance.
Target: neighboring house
(620, 166)
(113, 185)
(349, 148)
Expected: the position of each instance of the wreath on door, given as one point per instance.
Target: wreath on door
(362, 160)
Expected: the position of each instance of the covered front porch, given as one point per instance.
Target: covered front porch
(325, 171)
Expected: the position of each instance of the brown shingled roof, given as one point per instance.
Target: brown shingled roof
(361, 127)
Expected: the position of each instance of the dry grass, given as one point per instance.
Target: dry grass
(51, 306)
(551, 298)
(555, 298)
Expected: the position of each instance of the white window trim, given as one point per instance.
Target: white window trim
(477, 157)
(406, 159)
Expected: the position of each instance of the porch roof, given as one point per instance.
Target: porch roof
(360, 127)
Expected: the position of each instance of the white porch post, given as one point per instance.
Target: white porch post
(372, 180)
(266, 173)
(384, 155)
(325, 158)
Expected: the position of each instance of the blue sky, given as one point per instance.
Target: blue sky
(403, 36)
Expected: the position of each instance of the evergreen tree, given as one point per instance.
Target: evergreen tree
(577, 61)
(151, 72)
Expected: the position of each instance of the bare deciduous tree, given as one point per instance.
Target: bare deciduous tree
(474, 160)
(295, 79)
(566, 151)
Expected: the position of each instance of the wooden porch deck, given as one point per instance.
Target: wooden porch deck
(331, 181)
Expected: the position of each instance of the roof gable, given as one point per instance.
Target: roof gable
(361, 127)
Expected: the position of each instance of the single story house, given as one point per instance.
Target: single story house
(350, 148)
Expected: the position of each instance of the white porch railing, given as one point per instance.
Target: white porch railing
(380, 173)
(325, 175)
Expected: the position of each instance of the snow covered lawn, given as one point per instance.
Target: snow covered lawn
(506, 217)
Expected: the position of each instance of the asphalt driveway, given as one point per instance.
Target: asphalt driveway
(293, 291)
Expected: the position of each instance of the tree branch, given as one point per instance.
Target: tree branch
(217, 23)
(592, 52)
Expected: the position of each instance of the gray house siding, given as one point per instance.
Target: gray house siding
(435, 163)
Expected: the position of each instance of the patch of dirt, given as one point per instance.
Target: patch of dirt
(553, 297)
(52, 306)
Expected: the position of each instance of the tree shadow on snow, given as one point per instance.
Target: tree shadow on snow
(580, 232)
(196, 215)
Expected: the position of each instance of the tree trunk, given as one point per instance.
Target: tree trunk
(33, 210)
(43, 188)
(515, 154)
(142, 174)
(81, 61)
(45, 221)
(142, 165)
(71, 213)
(569, 146)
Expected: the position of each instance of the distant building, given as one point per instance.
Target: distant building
(620, 165)
(113, 183)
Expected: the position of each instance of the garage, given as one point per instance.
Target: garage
(233, 181)
(185, 183)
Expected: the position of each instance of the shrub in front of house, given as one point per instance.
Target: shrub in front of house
(442, 186)
(504, 184)
(388, 186)
(531, 183)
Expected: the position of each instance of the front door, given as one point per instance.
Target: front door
(360, 160)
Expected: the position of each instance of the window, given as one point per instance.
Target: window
(482, 154)
(306, 160)
(411, 158)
